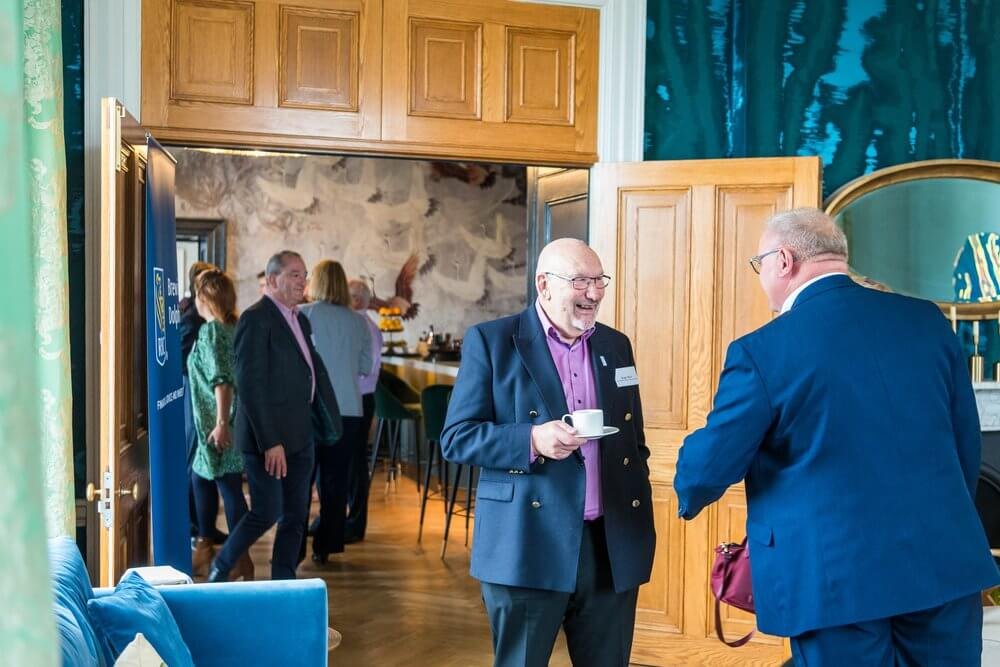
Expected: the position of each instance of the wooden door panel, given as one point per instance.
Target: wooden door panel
(540, 66)
(318, 58)
(653, 305)
(211, 49)
(742, 305)
(676, 236)
(514, 77)
(661, 601)
(445, 69)
(254, 71)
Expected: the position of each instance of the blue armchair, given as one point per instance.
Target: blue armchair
(245, 623)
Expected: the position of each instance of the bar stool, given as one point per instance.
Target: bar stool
(410, 398)
(452, 497)
(391, 415)
(434, 401)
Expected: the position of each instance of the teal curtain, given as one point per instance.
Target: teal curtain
(33, 353)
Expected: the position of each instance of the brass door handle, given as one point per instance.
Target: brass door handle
(93, 493)
(134, 491)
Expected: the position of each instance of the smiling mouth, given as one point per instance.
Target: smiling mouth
(585, 309)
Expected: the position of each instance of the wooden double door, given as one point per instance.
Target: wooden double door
(676, 237)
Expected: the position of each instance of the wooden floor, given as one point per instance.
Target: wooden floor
(394, 600)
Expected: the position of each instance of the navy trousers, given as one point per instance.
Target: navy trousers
(285, 501)
(947, 636)
(598, 622)
(357, 475)
(332, 481)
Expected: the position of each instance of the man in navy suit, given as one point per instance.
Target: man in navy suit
(564, 524)
(852, 420)
(285, 409)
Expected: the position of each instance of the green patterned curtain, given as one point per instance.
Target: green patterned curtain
(34, 398)
(46, 163)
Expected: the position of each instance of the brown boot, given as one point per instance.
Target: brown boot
(243, 569)
(201, 556)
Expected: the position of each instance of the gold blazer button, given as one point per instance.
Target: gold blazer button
(635, 503)
(533, 413)
(535, 504)
(628, 416)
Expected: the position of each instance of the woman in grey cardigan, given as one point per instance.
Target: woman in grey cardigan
(344, 342)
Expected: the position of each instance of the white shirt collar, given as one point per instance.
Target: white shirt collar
(790, 301)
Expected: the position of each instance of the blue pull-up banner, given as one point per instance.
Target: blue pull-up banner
(168, 484)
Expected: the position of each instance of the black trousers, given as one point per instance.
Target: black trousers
(332, 482)
(357, 475)
(598, 622)
(282, 501)
(206, 501)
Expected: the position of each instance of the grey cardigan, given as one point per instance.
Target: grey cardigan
(344, 343)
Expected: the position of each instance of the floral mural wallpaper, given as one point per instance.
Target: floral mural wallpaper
(445, 242)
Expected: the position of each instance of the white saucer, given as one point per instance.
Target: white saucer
(608, 430)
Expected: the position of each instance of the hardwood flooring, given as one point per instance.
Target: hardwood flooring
(395, 601)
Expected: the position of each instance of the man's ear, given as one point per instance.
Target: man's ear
(787, 261)
(542, 285)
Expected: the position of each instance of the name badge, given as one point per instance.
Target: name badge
(626, 377)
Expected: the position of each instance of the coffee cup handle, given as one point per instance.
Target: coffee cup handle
(570, 418)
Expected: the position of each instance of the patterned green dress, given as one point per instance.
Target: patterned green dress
(210, 364)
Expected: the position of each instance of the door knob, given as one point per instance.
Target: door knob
(134, 491)
(93, 493)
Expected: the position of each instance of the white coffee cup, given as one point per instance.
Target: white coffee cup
(586, 422)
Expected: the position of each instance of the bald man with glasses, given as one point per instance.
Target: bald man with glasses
(564, 519)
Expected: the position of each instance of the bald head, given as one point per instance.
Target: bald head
(564, 255)
(562, 263)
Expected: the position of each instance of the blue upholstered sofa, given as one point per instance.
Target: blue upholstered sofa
(251, 623)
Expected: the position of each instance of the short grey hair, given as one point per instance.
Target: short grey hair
(278, 260)
(808, 233)
(359, 290)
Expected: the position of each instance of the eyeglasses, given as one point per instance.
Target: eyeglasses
(756, 259)
(581, 282)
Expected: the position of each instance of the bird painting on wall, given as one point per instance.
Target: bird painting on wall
(403, 298)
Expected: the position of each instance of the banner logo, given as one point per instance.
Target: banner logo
(160, 309)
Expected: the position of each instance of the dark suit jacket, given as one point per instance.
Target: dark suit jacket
(273, 385)
(529, 516)
(853, 420)
(191, 323)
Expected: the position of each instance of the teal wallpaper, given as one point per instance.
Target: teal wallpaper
(864, 84)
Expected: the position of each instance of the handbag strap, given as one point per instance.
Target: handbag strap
(718, 629)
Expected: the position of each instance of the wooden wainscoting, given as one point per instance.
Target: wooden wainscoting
(478, 79)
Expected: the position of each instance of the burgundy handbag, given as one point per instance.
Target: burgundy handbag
(731, 584)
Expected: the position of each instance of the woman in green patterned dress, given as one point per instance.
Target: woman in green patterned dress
(213, 394)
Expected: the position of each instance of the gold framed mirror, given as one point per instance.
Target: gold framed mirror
(909, 224)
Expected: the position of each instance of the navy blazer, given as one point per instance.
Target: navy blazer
(853, 421)
(273, 385)
(529, 516)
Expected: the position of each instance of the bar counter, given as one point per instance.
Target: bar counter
(420, 373)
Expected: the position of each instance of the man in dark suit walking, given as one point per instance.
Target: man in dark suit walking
(852, 419)
(285, 408)
(564, 522)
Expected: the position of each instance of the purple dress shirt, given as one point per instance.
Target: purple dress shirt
(291, 316)
(366, 383)
(572, 362)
